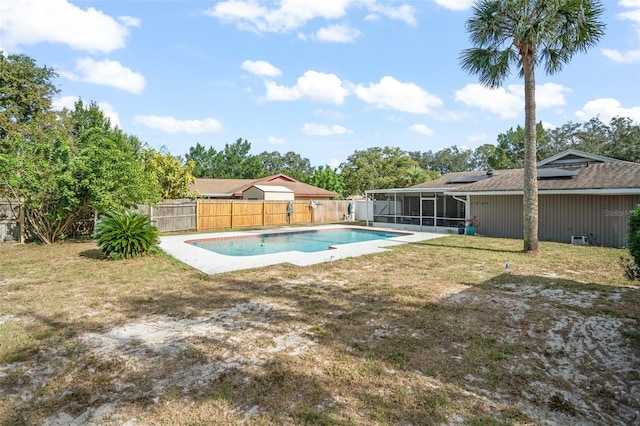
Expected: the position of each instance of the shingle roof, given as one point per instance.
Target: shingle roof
(234, 187)
(614, 175)
(568, 170)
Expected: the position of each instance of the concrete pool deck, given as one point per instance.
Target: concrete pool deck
(213, 263)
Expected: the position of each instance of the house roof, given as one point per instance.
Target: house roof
(227, 188)
(600, 176)
(568, 171)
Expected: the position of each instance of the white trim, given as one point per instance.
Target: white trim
(606, 191)
(585, 155)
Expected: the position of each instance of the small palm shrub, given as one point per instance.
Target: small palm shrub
(632, 269)
(126, 234)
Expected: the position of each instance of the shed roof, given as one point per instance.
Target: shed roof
(271, 188)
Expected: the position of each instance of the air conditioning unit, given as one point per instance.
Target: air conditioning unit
(581, 240)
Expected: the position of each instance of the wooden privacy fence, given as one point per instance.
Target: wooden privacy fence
(172, 215)
(210, 215)
(11, 220)
(221, 214)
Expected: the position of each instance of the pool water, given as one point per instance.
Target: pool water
(304, 241)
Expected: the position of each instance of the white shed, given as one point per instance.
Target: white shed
(268, 193)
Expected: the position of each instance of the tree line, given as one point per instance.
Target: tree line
(392, 167)
(66, 164)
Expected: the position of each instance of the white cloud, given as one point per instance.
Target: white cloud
(324, 130)
(276, 141)
(172, 125)
(28, 22)
(262, 68)
(506, 104)
(107, 73)
(341, 33)
(335, 163)
(623, 57)
(403, 13)
(391, 93)
(288, 15)
(549, 95)
(64, 102)
(606, 109)
(110, 113)
(455, 4)
(129, 21)
(476, 138)
(313, 85)
(509, 103)
(421, 129)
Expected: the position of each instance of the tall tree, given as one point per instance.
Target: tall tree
(207, 161)
(291, 164)
(527, 33)
(512, 143)
(26, 91)
(172, 176)
(624, 140)
(237, 163)
(327, 178)
(375, 168)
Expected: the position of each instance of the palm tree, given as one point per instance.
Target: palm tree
(527, 33)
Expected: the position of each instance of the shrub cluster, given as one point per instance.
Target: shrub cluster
(125, 234)
(632, 267)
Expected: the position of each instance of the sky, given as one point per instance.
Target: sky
(321, 78)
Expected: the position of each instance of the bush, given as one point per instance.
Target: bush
(633, 240)
(125, 234)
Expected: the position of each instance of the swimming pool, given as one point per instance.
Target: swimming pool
(210, 262)
(279, 242)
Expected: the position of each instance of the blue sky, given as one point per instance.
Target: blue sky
(320, 78)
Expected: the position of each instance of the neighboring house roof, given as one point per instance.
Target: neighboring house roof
(228, 188)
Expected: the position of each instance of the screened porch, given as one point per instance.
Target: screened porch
(416, 210)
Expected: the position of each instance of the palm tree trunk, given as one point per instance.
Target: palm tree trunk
(530, 196)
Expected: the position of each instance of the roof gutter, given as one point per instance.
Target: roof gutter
(602, 191)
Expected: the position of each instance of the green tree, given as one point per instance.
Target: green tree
(452, 160)
(290, 164)
(237, 163)
(375, 168)
(77, 165)
(26, 91)
(207, 161)
(171, 175)
(512, 144)
(624, 140)
(327, 178)
(527, 33)
(488, 156)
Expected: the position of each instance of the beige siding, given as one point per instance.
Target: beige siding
(253, 193)
(603, 218)
(499, 216)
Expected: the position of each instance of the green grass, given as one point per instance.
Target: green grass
(428, 333)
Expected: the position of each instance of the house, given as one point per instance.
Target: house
(265, 188)
(581, 197)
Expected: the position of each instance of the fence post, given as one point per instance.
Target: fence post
(232, 212)
(21, 222)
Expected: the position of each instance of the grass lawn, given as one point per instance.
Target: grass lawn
(438, 332)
